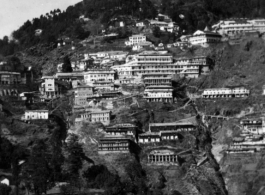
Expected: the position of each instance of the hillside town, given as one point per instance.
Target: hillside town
(138, 101)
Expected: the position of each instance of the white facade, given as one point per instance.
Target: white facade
(102, 116)
(203, 38)
(49, 83)
(239, 26)
(135, 39)
(226, 92)
(99, 75)
(158, 94)
(36, 114)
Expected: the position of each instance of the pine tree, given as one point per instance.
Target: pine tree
(66, 65)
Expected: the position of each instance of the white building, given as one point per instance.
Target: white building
(135, 39)
(99, 75)
(102, 116)
(164, 26)
(253, 126)
(204, 38)
(35, 114)
(124, 71)
(150, 62)
(225, 92)
(239, 26)
(158, 93)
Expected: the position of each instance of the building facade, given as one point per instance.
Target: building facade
(237, 92)
(99, 75)
(35, 114)
(204, 38)
(115, 144)
(9, 78)
(239, 26)
(157, 79)
(135, 40)
(122, 129)
(102, 116)
(159, 94)
(164, 157)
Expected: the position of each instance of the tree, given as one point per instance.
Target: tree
(36, 172)
(15, 64)
(4, 189)
(156, 32)
(66, 67)
(73, 154)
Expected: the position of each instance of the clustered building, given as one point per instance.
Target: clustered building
(251, 139)
(239, 26)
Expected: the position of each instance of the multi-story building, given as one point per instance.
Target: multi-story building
(157, 79)
(35, 114)
(164, 132)
(239, 26)
(122, 129)
(49, 89)
(69, 76)
(99, 75)
(162, 157)
(164, 26)
(102, 116)
(9, 78)
(93, 115)
(115, 55)
(163, 63)
(247, 144)
(135, 40)
(104, 85)
(84, 91)
(235, 92)
(159, 93)
(253, 126)
(204, 38)
(114, 144)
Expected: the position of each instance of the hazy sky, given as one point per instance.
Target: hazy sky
(13, 13)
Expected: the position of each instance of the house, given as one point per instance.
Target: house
(159, 132)
(69, 76)
(162, 157)
(50, 88)
(125, 129)
(204, 38)
(99, 75)
(182, 44)
(233, 27)
(253, 126)
(10, 78)
(114, 144)
(159, 93)
(135, 39)
(102, 116)
(104, 85)
(82, 93)
(35, 114)
(232, 92)
(38, 32)
(247, 144)
(4, 180)
(137, 47)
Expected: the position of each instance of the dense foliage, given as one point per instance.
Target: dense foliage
(197, 14)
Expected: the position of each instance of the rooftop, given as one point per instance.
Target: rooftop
(169, 124)
(162, 152)
(36, 110)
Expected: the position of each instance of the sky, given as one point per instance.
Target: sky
(13, 13)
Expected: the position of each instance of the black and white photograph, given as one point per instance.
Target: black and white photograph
(132, 97)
